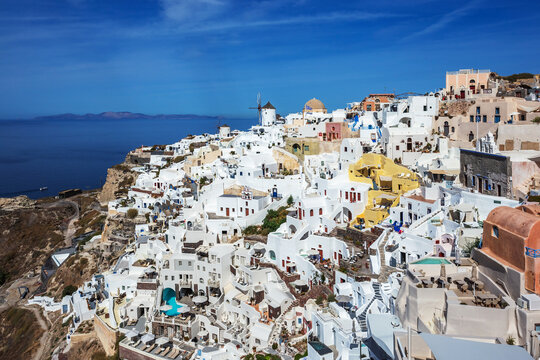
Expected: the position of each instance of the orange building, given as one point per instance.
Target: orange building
(512, 237)
(373, 101)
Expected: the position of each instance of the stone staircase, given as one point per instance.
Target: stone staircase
(362, 318)
(385, 269)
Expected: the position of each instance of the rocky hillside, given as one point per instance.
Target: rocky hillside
(30, 231)
(21, 334)
(119, 179)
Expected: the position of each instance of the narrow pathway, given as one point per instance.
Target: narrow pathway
(45, 337)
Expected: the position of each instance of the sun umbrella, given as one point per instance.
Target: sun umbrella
(199, 299)
(162, 340)
(165, 307)
(147, 338)
(132, 334)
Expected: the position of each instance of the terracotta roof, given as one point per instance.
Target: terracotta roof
(269, 106)
(513, 220)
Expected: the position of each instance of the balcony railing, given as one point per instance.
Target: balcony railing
(534, 253)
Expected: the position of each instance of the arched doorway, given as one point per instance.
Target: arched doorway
(446, 128)
(296, 148)
(472, 86)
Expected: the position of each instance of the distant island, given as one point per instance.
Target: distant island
(111, 115)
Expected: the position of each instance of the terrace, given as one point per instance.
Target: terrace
(146, 347)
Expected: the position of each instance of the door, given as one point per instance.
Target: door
(227, 211)
(462, 94)
(247, 211)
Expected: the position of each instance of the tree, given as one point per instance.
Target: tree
(274, 346)
(290, 200)
(536, 120)
(331, 298)
(132, 213)
(68, 290)
(319, 300)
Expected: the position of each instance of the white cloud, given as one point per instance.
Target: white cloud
(191, 11)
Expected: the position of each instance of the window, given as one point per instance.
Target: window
(429, 210)
(345, 149)
(471, 120)
(497, 118)
(189, 263)
(320, 211)
(311, 212)
(453, 129)
(495, 231)
(478, 110)
(166, 277)
(425, 107)
(172, 278)
(484, 118)
(221, 209)
(497, 111)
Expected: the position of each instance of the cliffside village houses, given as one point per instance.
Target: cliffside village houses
(411, 230)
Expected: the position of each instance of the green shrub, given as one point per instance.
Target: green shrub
(290, 200)
(132, 213)
(68, 290)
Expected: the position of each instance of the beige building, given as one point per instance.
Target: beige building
(466, 82)
(474, 119)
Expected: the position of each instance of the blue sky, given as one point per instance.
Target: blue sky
(213, 56)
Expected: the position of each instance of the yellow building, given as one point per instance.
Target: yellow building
(388, 181)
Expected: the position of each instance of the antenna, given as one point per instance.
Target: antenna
(258, 107)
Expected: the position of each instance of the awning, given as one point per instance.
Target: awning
(343, 299)
(445, 172)
(528, 107)
(386, 196)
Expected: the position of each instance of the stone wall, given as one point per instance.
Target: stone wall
(495, 169)
(106, 336)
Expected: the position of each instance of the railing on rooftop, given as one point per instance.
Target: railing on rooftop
(468, 71)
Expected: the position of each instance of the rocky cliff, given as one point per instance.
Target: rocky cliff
(119, 179)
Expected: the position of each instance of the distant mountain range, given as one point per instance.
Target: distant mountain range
(111, 115)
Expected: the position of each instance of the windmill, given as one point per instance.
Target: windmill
(258, 107)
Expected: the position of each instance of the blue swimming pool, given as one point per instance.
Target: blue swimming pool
(169, 297)
(432, 261)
